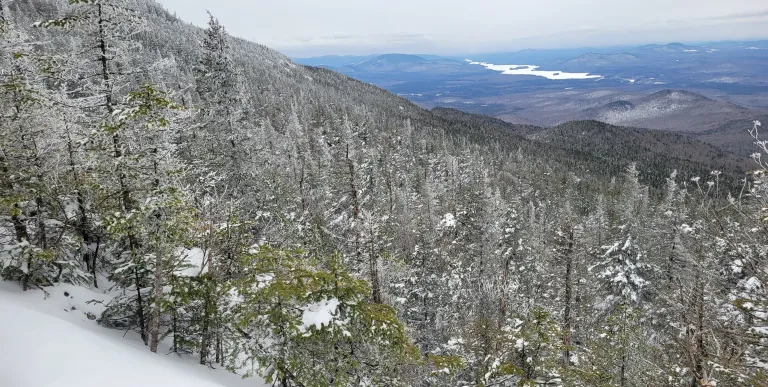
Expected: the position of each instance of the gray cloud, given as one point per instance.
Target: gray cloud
(311, 27)
(343, 39)
(739, 16)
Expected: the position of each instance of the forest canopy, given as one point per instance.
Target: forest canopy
(293, 223)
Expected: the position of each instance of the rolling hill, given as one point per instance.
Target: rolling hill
(615, 146)
(733, 136)
(673, 110)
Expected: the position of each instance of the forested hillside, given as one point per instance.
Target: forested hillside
(294, 223)
(611, 148)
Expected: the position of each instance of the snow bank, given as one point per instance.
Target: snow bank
(54, 343)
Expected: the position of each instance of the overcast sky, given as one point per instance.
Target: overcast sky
(321, 27)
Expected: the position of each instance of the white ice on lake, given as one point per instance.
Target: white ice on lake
(532, 70)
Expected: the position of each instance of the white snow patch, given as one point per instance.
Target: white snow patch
(193, 262)
(319, 314)
(753, 284)
(532, 70)
(737, 266)
(47, 343)
(71, 207)
(448, 220)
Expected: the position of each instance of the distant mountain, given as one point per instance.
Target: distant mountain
(690, 88)
(332, 61)
(391, 62)
(673, 110)
(403, 64)
(592, 61)
(679, 96)
(668, 48)
(538, 56)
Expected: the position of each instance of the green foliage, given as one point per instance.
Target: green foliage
(444, 364)
(146, 106)
(358, 341)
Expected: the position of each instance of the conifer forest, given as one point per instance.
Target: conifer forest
(304, 229)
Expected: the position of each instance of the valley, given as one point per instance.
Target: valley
(674, 87)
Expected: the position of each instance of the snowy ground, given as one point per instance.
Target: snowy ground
(51, 342)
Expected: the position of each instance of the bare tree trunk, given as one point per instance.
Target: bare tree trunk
(19, 227)
(624, 344)
(125, 192)
(205, 339)
(22, 235)
(622, 372)
(154, 322)
(42, 241)
(219, 344)
(140, 306)
(90, 255)
(174, 319)
(373, 269)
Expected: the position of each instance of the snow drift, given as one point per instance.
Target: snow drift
(53, 342)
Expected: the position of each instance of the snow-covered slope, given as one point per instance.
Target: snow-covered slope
(51, 342)
(671, 110)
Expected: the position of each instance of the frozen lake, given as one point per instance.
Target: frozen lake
(532, 70)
